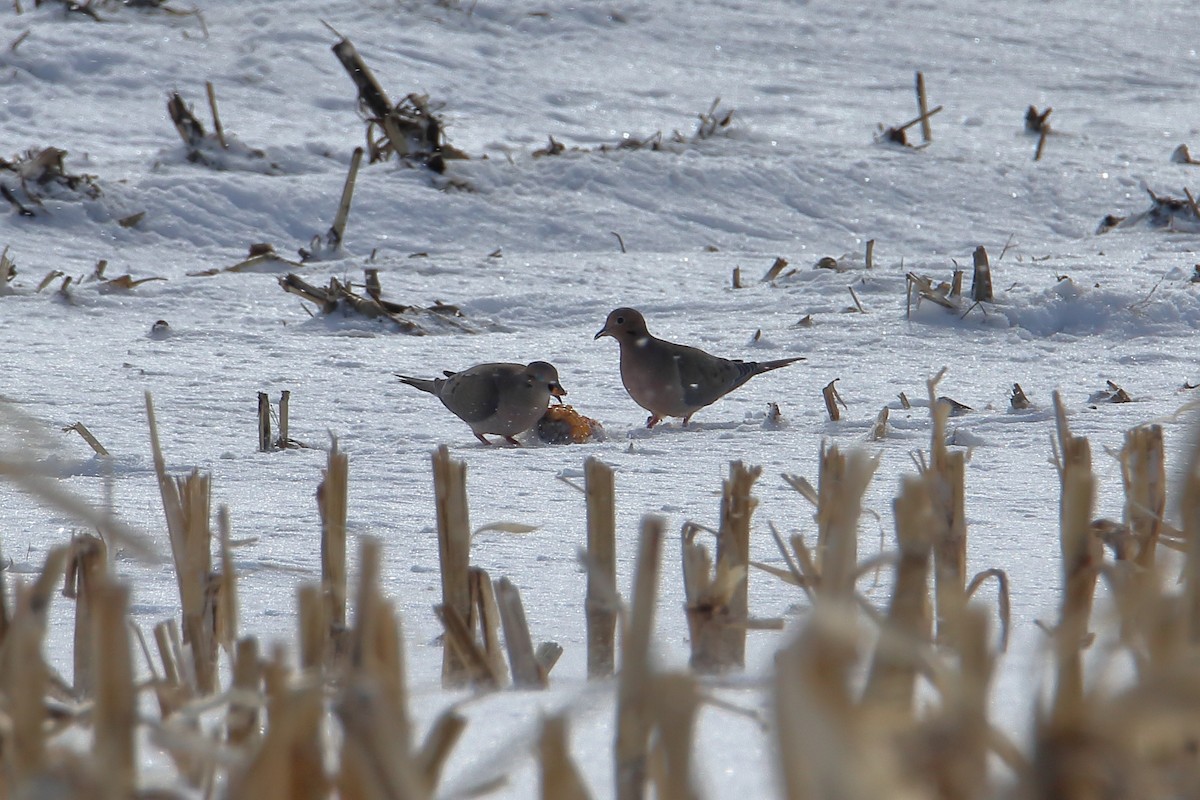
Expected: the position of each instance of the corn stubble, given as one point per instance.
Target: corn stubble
(864, 702)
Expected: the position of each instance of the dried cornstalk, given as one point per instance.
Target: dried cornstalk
(926, 289)
(241, 721)
(832, 399)
(1189, 513)
(114, 715)
(1143, 473)
(313, 636)
(87, 569)
(777, 267)
(879, 429)
(948, 494)
(224, 586)
(194, 563)
(923, 108)
(635, 681)
(841, 484)
(370, 94)
(175, 688)
(87, 436)
(1081, 557)
(733, 556)
(285, 401)
(186, 502)
(8, 269)
(24, 680)
(375, 644)
(821, 741)
(1003, 606)
(490, 616)
(189, 128)
(337, 231)
(560, 780)
(454, 551)
(460, 642)
(1019, 401)
(960, 771)
(893, 674)
(331, 502)
(216, 118)
(981, 281)
(599, 607)
(264, 423)
(288, 763)
(706, 602)
(526, 672)
(676, 703)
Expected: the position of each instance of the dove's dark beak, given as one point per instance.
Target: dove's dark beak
(557, 390)
(601, 332)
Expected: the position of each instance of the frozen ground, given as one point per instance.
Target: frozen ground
(526, 248)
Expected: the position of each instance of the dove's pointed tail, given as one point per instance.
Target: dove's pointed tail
(766, 366)
(424, 384)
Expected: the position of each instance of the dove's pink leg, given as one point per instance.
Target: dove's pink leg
(479, 436)
(653, 420)
(512, 441)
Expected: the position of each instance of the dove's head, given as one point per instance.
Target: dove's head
(624, 324)
(543, 374)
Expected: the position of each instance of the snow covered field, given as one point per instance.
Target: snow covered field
(530, 249)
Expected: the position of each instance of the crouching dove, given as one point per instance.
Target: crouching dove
(674, 380)
(501, 399)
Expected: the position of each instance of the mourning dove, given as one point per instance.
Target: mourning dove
(502, 399)
(674, 380)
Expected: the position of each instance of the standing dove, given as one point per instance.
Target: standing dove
(502, 399)
(674, 380)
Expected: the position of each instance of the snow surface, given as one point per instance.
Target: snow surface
(798, 174)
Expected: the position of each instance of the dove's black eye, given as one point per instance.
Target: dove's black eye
(620, 320)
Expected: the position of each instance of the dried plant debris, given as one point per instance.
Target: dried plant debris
(1037, 121)
(1117, 537)
(712, 123)
(880, 428)
(833, 400)
(898, 134)
(98, 278)
(1018, 401)
(777, 270)
(73, 7)
(410, 129)
(91, 8)
(8, 271)
(217, 150)
(1111, 393)
(1181, 155)
(40, 174)
(330, 245)
(926, 290)
(414, 133)
(553, 148)
(1168, 213)
(345, 299)
(261, 258)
